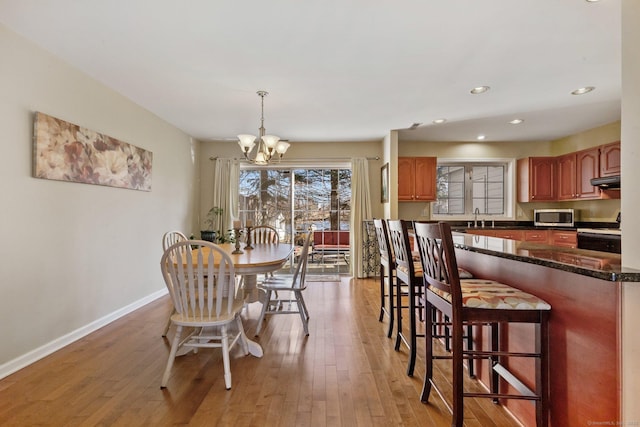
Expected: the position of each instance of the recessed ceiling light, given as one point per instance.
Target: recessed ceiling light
(516, 121)
(479, 89)
(480, 137)
(583, 90)
(439, 121)
(592, 1)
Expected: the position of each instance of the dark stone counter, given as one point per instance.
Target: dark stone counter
(523, 225)
(600, 265)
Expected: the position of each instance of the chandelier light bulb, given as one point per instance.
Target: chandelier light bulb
(270, 141)
(246, 142)
(261, 158)
(282, 147)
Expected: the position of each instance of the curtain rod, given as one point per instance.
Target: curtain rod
(288, 160)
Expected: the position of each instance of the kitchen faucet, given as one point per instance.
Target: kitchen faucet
(475, 217)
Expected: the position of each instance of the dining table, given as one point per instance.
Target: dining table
(263, 258)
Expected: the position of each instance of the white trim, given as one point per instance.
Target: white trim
(41, 352)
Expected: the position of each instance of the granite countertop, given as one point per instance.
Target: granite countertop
(601, 265)
(526, 225)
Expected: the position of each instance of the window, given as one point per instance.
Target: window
(465, 188)
(265, 198)
(294, 199)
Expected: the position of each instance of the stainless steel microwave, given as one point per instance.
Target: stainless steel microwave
(554, 217)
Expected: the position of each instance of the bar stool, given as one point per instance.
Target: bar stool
(408, 273)
(409, 276)
(481, 302)
(387, 270)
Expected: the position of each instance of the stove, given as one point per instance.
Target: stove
(611, 231)
(600, 239)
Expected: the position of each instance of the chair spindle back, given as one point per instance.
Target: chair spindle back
(201, 281)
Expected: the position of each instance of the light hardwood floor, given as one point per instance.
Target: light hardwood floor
(346, 373)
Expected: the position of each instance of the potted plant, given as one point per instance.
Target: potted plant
(212, 222)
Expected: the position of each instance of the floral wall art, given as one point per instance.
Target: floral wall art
(67, 152)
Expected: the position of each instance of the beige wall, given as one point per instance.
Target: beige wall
(587, 139)
(75, 256)
(391, 156)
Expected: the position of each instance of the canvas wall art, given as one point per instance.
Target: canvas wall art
(67, 152)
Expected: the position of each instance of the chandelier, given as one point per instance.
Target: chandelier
(268, 145)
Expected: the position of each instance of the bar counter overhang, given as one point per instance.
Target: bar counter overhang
(584, 290)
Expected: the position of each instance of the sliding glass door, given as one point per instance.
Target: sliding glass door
(295, 200)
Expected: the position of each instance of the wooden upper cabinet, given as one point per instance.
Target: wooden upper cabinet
(536, 179)
(587, 167)
(426, 178)
(575, 171)
(406, 178)
(610, 159)
(417, 179)
(566, 176)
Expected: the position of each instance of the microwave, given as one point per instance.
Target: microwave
(554, 217)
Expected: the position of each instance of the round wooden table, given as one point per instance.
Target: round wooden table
(263, 258)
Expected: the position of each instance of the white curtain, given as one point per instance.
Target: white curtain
(226, 185)
(360, 210)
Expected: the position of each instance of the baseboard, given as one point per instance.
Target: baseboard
(20, 362)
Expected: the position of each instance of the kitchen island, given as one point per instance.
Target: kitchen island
(584, 290)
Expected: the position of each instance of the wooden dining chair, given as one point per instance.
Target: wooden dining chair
(283, 294)
(169, 238)
(264, 234)
(204, 290)
(481, 302)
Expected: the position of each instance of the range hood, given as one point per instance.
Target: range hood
(607, 182)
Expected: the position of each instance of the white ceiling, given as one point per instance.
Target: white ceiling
(345, 70)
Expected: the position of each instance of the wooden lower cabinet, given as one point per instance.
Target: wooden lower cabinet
(583, 261)
(541, 236)
(564, 238)
(503, 234)
(482, 231)
(510, 234)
